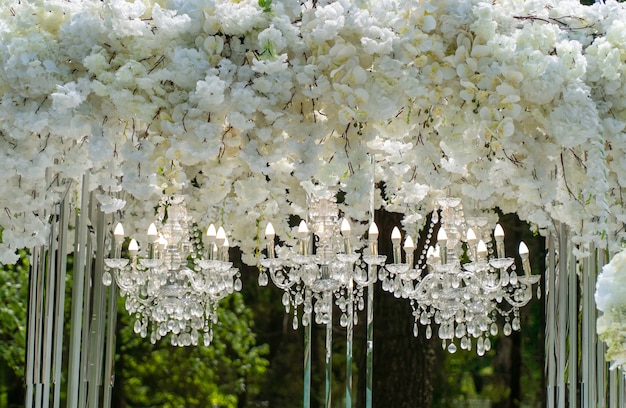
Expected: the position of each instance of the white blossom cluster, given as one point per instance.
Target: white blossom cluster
(519, 104)
(610, 300)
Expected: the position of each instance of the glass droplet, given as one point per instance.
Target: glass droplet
(415, 330)
(429, 332)
(263, 280)
(295, 322)
(487, 344)
(137, 327)
(343, 320)
(493, 329)
(238, 284)
(452, 348)
(507, 329)
(513, 278)
(107, 279)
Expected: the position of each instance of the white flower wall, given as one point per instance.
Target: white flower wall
(516, 104)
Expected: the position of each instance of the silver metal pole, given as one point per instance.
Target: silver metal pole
(78, 289)
(50, 314)
(550, 328)
(61, 266)
(329, 356)
(369, 357)
(572, 297)
(32, 320)
(562, 311)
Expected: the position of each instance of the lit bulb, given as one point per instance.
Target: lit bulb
(119, 230)
(396, 237)
(441, 235)
(482, 248)
(523, 249)
(211, 233)
(133, 247)
(373, 231)
(345, 227)
(269, 232)
(498, 232)
(220, 237)
(408, 244)
(471, 236)
(303, 229)
(152, 231)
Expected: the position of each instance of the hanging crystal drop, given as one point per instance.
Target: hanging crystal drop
(513, 278)
(263, 280)
(295, 322)
(238, 284)
(343, 320)
(538, 292)
(493, 329)
(286, 299)
(464, 342)
(137, 327)
(415, 330)
(516, 324)
(452, 348)
(487, 344)
(429, 332)
(356, 319)
(106, 278)
(507, 329)
(361, 304)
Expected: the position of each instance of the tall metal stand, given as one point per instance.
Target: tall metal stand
(329, 357)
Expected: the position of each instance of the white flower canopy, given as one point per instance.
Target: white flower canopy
(513, 104)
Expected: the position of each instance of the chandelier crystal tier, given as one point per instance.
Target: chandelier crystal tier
(174, 284)
(460, 284)
(324, 270)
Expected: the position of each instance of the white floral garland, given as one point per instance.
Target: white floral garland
(516, 104)
(610, 300)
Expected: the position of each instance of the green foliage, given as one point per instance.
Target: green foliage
(14, 295)
(266, 5)
(229, 370)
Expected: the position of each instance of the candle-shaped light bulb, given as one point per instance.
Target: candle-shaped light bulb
(220, 237)
(498, 234)
(470, 238)
(523, 253)
(211, 233)
(442, 240)
(269, 236)
(133, 248)
(396, 238)
(481, 250)
(345, 233)
(119, 230)
(409, 248)
(118, 240)
(152, 237)
(436, 254)
(303, 238)
(152, 232)
(372, 237)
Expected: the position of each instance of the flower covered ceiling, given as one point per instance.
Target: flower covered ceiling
(247, 104)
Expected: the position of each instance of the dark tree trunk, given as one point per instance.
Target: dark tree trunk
(403, 364)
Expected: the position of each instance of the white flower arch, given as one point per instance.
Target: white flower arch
(515, 104)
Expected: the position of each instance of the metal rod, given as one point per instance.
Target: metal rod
(349, 338)
(78, 290)
(109, 357)
(329, 355)
(98, 313)
(572, 297)
(39, 349)
(307, 355)
(562, 313)
(50, 314)
(369, 365)
(30, 335)
(61, 266)
(601, 366)
(550, 323)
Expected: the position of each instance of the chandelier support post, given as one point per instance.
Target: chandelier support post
(349, 340)
(329, 358)
(369, 357)
(550, 329)
(78, 292)
(307, 355)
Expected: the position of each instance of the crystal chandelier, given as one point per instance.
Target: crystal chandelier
(463, 298)
(321, 271)
(175, 283)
